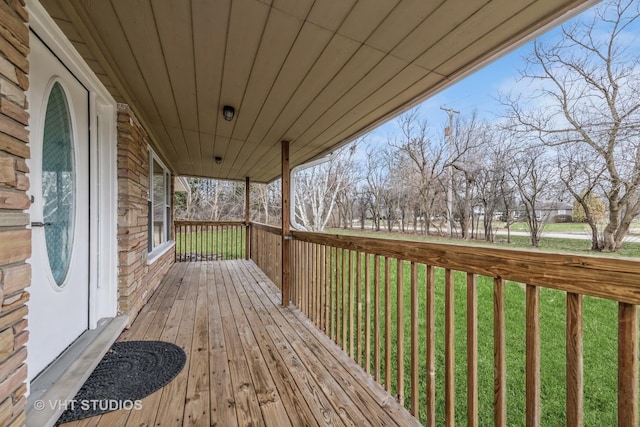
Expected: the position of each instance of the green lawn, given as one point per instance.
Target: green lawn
(600, 347)
(225, 243)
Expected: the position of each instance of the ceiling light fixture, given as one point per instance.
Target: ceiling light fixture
(228, 112)
(218, 160)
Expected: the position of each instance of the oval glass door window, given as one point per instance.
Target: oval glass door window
(58, 183)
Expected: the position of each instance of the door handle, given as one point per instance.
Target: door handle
(40, 224)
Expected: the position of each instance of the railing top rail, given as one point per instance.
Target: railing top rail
(269, 228)
(611, 278)
(220, 223)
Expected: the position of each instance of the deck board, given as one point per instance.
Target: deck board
(250, 361)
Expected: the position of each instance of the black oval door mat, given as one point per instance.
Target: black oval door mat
(128, 372)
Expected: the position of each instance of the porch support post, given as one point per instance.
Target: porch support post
(286, 243)
(247, 219)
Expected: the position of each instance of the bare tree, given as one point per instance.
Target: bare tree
(265, 202)
(428, 158)
(347, 195)
(469, 142)
(211, 200)
(532, 174)
(317, 187)
(376, 177)
(581, 179)
(587, 93)
(493, 191)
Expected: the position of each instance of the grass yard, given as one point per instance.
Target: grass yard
(211, 244)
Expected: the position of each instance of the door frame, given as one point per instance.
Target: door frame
(103, 185)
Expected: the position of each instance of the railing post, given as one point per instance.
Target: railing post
(286, 242)
(247, 219)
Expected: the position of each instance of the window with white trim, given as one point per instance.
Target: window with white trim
(159, 202)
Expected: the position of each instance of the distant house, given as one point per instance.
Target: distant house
(549, 211)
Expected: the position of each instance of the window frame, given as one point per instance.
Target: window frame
(155, 250)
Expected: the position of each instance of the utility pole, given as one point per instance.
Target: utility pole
(449, 132)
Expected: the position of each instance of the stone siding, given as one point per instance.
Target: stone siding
(136, 279)
(15, 238)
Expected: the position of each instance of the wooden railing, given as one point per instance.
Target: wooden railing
(266, 250)
(394, 307)
(209, 240)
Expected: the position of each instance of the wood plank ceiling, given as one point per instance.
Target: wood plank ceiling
(316, 73)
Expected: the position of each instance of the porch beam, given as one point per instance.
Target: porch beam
(247, 219)
(286, 222)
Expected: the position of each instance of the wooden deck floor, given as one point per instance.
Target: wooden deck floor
(250, 362)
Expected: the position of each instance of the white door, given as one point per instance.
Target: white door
(59, 175)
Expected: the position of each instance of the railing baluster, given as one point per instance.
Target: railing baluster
(309, 283)
(499, 359)
(532, 397)
(431, 344)
(449, 348)
(315, 262)
(414, 340)
(627, 364)
(217, 235)
(332, 280)
(212, 234)
(227, 237)
(359, 307)
(326, 278)
(177, 231)
(472, 351)
(299, 269)
(400, 330)
(376, 316)
(367, 313)
(298, 274)
(337, 320)
(387, 324)
(318, 285)
(190, 245)
(303, 281)
(574, 360)
(352, 285)
(314, 278)
(345, 290)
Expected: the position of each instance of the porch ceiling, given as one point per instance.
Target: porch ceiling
(315, 73)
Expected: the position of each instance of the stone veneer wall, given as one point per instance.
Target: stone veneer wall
(136, 279)
(15, 238)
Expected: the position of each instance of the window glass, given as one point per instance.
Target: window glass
(58, 184)
(158, 202)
